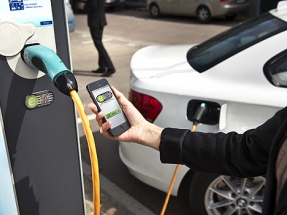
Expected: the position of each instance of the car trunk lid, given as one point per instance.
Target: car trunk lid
(158, 60)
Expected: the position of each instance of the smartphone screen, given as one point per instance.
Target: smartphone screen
(109, 105)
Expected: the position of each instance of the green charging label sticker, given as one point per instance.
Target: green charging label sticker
(113, 113)
(39, 99)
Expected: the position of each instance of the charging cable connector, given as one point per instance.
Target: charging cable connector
(46, 60)
(200, 113)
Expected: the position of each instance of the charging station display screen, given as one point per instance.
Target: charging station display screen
(109, 105)
(38, 12)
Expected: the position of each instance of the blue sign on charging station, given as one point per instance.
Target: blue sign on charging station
(22, 11)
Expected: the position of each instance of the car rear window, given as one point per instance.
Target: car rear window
(217, 49)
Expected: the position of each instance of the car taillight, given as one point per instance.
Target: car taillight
(148, 106)
(224, 1)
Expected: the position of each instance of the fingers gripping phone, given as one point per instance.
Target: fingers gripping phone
(105, 100)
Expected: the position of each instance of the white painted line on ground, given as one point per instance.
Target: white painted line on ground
(107, 40)
(107, 37)
(133, 44)
(87, 42)
(85, 35)
(91, 41)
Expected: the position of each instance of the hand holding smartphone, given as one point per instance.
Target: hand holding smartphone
(105, 100)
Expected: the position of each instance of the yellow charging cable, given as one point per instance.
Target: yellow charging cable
(92, 151)
(173, 180)
(94, 158)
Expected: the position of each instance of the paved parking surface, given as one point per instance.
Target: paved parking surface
(127, 32)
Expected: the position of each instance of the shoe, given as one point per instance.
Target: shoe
(99, 70)
(109, 73)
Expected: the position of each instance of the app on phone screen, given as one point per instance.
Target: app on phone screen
(109, 105)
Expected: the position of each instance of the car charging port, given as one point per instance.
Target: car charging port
(211, 111)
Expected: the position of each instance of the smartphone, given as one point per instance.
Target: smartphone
(105, 100)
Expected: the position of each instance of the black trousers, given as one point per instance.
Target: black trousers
(104, 59)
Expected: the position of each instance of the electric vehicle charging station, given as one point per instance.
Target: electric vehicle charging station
(42, 168)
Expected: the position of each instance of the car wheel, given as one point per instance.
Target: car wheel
(217, 194)
(203, 14)
(230, 17)
(154, 10)
(110, 8)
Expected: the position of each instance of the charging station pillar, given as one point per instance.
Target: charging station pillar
(38, 123)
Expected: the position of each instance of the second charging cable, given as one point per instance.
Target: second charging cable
(200, 112)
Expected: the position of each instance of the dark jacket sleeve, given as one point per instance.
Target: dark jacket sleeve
(96, 13)
(91, 5)
(240, 155)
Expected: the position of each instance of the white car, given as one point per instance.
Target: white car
(240, 75)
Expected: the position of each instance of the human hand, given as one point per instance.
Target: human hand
(141, 131)
(137, 121)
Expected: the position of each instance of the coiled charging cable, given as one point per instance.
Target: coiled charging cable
(200, 112)
(92, 150)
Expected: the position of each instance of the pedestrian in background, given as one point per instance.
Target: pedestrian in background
(96, 21)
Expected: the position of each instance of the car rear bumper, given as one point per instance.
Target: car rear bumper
(231, 9)
(113, 3)
(145, 165)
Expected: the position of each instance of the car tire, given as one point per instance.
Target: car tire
(154, 10)
(214, 194)
(203, 14)
(230, 17)
(110, 8)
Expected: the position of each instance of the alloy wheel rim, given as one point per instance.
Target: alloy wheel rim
(203, 14)
(230, 195)
(154, 11)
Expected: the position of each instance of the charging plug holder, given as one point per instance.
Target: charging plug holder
(14, 37)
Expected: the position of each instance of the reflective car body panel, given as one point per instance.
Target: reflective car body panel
(237, 84)
(189, 7)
